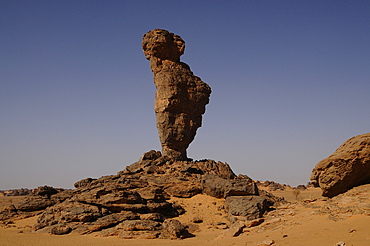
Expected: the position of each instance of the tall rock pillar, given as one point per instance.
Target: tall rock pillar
(181, 97)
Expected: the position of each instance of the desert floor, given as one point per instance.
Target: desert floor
(298, 223)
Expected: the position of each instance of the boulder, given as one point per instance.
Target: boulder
(60, 229)
(347, 167)
(83, 182)
(68, 212)
(111, 220)
(45, 191)
(153, 216)
(151, 155)
(184, 189)
(235, 230)
(172, 229)
(245, 207)
(34, 203)
(219, 169)
(180, 98)
(272, 186)
(221, 188)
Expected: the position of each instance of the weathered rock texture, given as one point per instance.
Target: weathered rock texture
(135, 203)
(180, 98)
(347, 167)
(246, 207)
(16, 192)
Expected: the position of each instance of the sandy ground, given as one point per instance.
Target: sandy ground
(298, 223)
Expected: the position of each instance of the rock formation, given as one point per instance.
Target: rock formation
(180, 98)
(347, 167)
(16, 192)
(135, 203)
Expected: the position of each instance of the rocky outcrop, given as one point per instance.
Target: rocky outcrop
(180, 98)
(271, 185)
(16, 192)
(135, 203)
(127, 205)
(347, 167)
(45, 191)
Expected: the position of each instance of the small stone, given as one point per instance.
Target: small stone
(191, 228)
(235, 230)
(255, 222)
(197, 220)
(223, 227)
(266, 242)
(341, 243)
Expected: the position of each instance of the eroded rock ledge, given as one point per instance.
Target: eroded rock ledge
(134, 203)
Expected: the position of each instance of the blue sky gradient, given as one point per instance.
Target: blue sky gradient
(290, 82)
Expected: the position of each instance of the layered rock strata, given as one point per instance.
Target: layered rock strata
(347, 167)
(180, 97)
(135, 203)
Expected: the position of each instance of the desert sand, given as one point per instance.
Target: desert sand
(299, 222)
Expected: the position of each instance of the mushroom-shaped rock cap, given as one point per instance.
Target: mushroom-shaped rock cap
(163, 45)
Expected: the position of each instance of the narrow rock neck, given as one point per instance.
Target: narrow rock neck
(174, 154)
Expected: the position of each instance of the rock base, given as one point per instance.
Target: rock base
(134, 203)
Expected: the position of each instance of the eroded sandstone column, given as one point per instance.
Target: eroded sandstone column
(181, 97)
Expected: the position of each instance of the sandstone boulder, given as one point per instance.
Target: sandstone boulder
(83, 182)
(172, 229)
(34, 203)
(180, 98)
(221, 188)
(245, 207)
(60, 229)
(347, 167)
(45, 191)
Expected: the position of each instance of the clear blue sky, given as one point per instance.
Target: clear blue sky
(290, 82)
